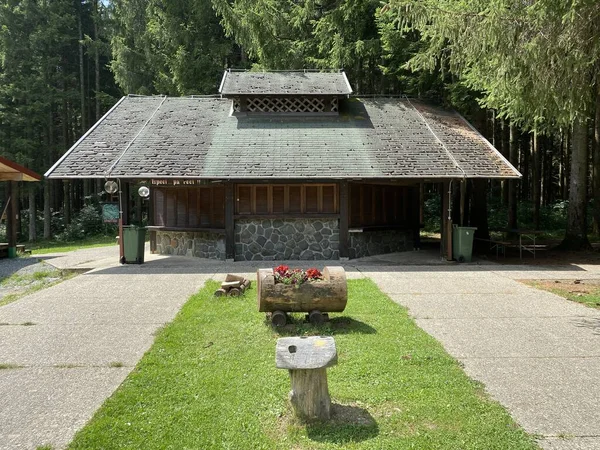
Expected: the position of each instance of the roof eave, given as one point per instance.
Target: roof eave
(87, 133)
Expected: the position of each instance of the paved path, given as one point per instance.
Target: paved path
(537, 354)
(75, 342)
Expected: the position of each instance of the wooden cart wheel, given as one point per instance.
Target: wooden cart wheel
(316, 318)
(220, 292)
(279, 318)
(234, 292)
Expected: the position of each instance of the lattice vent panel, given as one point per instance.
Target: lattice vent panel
(285, 105)
(334, 104)
(236, 104)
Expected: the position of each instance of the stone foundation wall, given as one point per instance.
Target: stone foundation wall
(201, 244)
(286, 239)
(371, 243)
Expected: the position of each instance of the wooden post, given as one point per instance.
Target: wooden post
(125, 202)
(344, 219)
(463, 193)
(229, 222)
(151, 213)
(307, 359)
(11, 218)
(123, 216)
(446, 231)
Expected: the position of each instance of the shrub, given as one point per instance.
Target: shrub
(88, 222)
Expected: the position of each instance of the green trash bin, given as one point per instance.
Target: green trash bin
(462, 243)
(134, 239)
(12, 252)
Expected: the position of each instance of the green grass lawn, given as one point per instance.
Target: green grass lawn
(210, 382)
(40, 248)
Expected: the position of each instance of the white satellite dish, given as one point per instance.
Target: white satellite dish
(111, 187)
(144, 192)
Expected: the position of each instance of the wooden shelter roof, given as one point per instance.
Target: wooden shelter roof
(11, 171)
(371, 138)
(308, 83)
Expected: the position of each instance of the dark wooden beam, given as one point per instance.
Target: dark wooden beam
(11, 218)
(229, 222)
(151, 222)
(125, 201)
(344, 219)
(446, 231)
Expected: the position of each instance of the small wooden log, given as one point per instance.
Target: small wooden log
(229, 277)
(316, 318)
(246, 284)
(307, 359)
(233, 292)
(220, 292)
(231, 284)
(279, 318)
(310, 394)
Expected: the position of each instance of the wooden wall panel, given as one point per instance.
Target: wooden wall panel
(292, 199)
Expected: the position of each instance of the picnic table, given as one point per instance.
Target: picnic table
(527, 239)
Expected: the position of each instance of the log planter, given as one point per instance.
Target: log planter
(317, 298)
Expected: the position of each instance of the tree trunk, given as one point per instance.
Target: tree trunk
(97, 57)
(513, 187)
(47, 210)
(596, 166)
(567, 165)
(525, 166)
(66, 202)
(537, 191)
(81, 67)
(479, 217)
(506, 152)
(32, 215)
(576, 233)
(310, 395)
(496, 185)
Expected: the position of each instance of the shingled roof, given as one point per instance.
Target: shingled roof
(159, 137)
(284, 83)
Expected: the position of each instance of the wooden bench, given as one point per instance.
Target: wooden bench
(496, 244)
(4, 249)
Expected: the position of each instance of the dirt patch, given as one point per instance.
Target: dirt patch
(582, 291)
(569, 286)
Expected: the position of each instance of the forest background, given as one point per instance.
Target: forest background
(524, 72)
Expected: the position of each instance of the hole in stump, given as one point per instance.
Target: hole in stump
(292, 348)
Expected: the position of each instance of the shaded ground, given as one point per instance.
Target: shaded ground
(21, 265)
(544, 256)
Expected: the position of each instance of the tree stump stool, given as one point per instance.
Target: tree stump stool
(307, 359)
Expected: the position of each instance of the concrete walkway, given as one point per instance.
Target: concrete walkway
(537, 354)
(73, 344)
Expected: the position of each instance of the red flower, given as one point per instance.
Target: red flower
(314, 274)
(281, 270)
(295, 277)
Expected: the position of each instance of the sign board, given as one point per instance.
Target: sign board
(110, 212)
(175, 182)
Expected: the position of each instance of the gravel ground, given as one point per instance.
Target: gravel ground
(22, 265)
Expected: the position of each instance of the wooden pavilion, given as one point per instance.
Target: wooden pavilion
(282, 165)
(12, 173)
